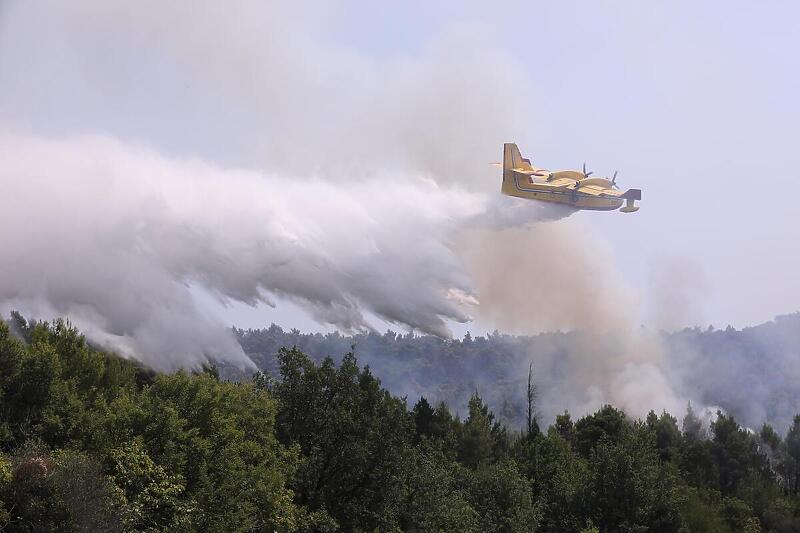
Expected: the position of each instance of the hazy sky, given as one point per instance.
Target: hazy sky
(696, 103)
(693, 102)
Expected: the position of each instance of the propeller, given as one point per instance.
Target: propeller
(586, 174)
(614, 180)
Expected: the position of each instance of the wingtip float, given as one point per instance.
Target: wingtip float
(576, 188)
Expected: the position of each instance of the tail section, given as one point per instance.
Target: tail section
(631, 195)
(512, 159)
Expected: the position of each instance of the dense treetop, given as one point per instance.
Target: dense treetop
(750, 372)
(92, 442)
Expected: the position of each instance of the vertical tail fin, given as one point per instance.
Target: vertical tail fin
(513, 159)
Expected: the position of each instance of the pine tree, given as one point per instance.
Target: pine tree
(692, 425)
(793, 447)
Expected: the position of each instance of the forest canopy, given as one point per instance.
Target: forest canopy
(93, 442)
(751, 373)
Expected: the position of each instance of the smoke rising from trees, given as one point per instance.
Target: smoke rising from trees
(551, 277)
(145, 151)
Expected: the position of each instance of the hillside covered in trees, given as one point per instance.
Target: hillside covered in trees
(751, 373)
(91, 442)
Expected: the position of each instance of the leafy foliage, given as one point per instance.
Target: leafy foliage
(750, 372)
(91, 442)
(177, 452)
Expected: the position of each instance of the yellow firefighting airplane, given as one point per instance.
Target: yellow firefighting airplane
(571, 187)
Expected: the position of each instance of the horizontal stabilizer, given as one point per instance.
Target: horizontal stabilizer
(633, 194)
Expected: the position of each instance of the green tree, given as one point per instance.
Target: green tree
(629, 489)
(701, 510)
(606, 424)
(793, 448)
(558, 477)
(480, 435)
(565, 427)
(770, 437)
(219, 439)
(354, 439)
(735, 453)
(29, 497)
(423, 418)
(667, 435)
(86, 495)
(210, 444)
(435, 498)
(692, 425)
(739, 516)
(503, 498)
(151, 498)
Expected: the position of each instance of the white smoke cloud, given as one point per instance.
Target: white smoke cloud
(358, 168)
(113, 235)
(150, 147)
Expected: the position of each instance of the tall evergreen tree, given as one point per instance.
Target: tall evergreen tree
(793, 447)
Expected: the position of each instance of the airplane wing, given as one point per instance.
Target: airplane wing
(561, 183)
(593, 190)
